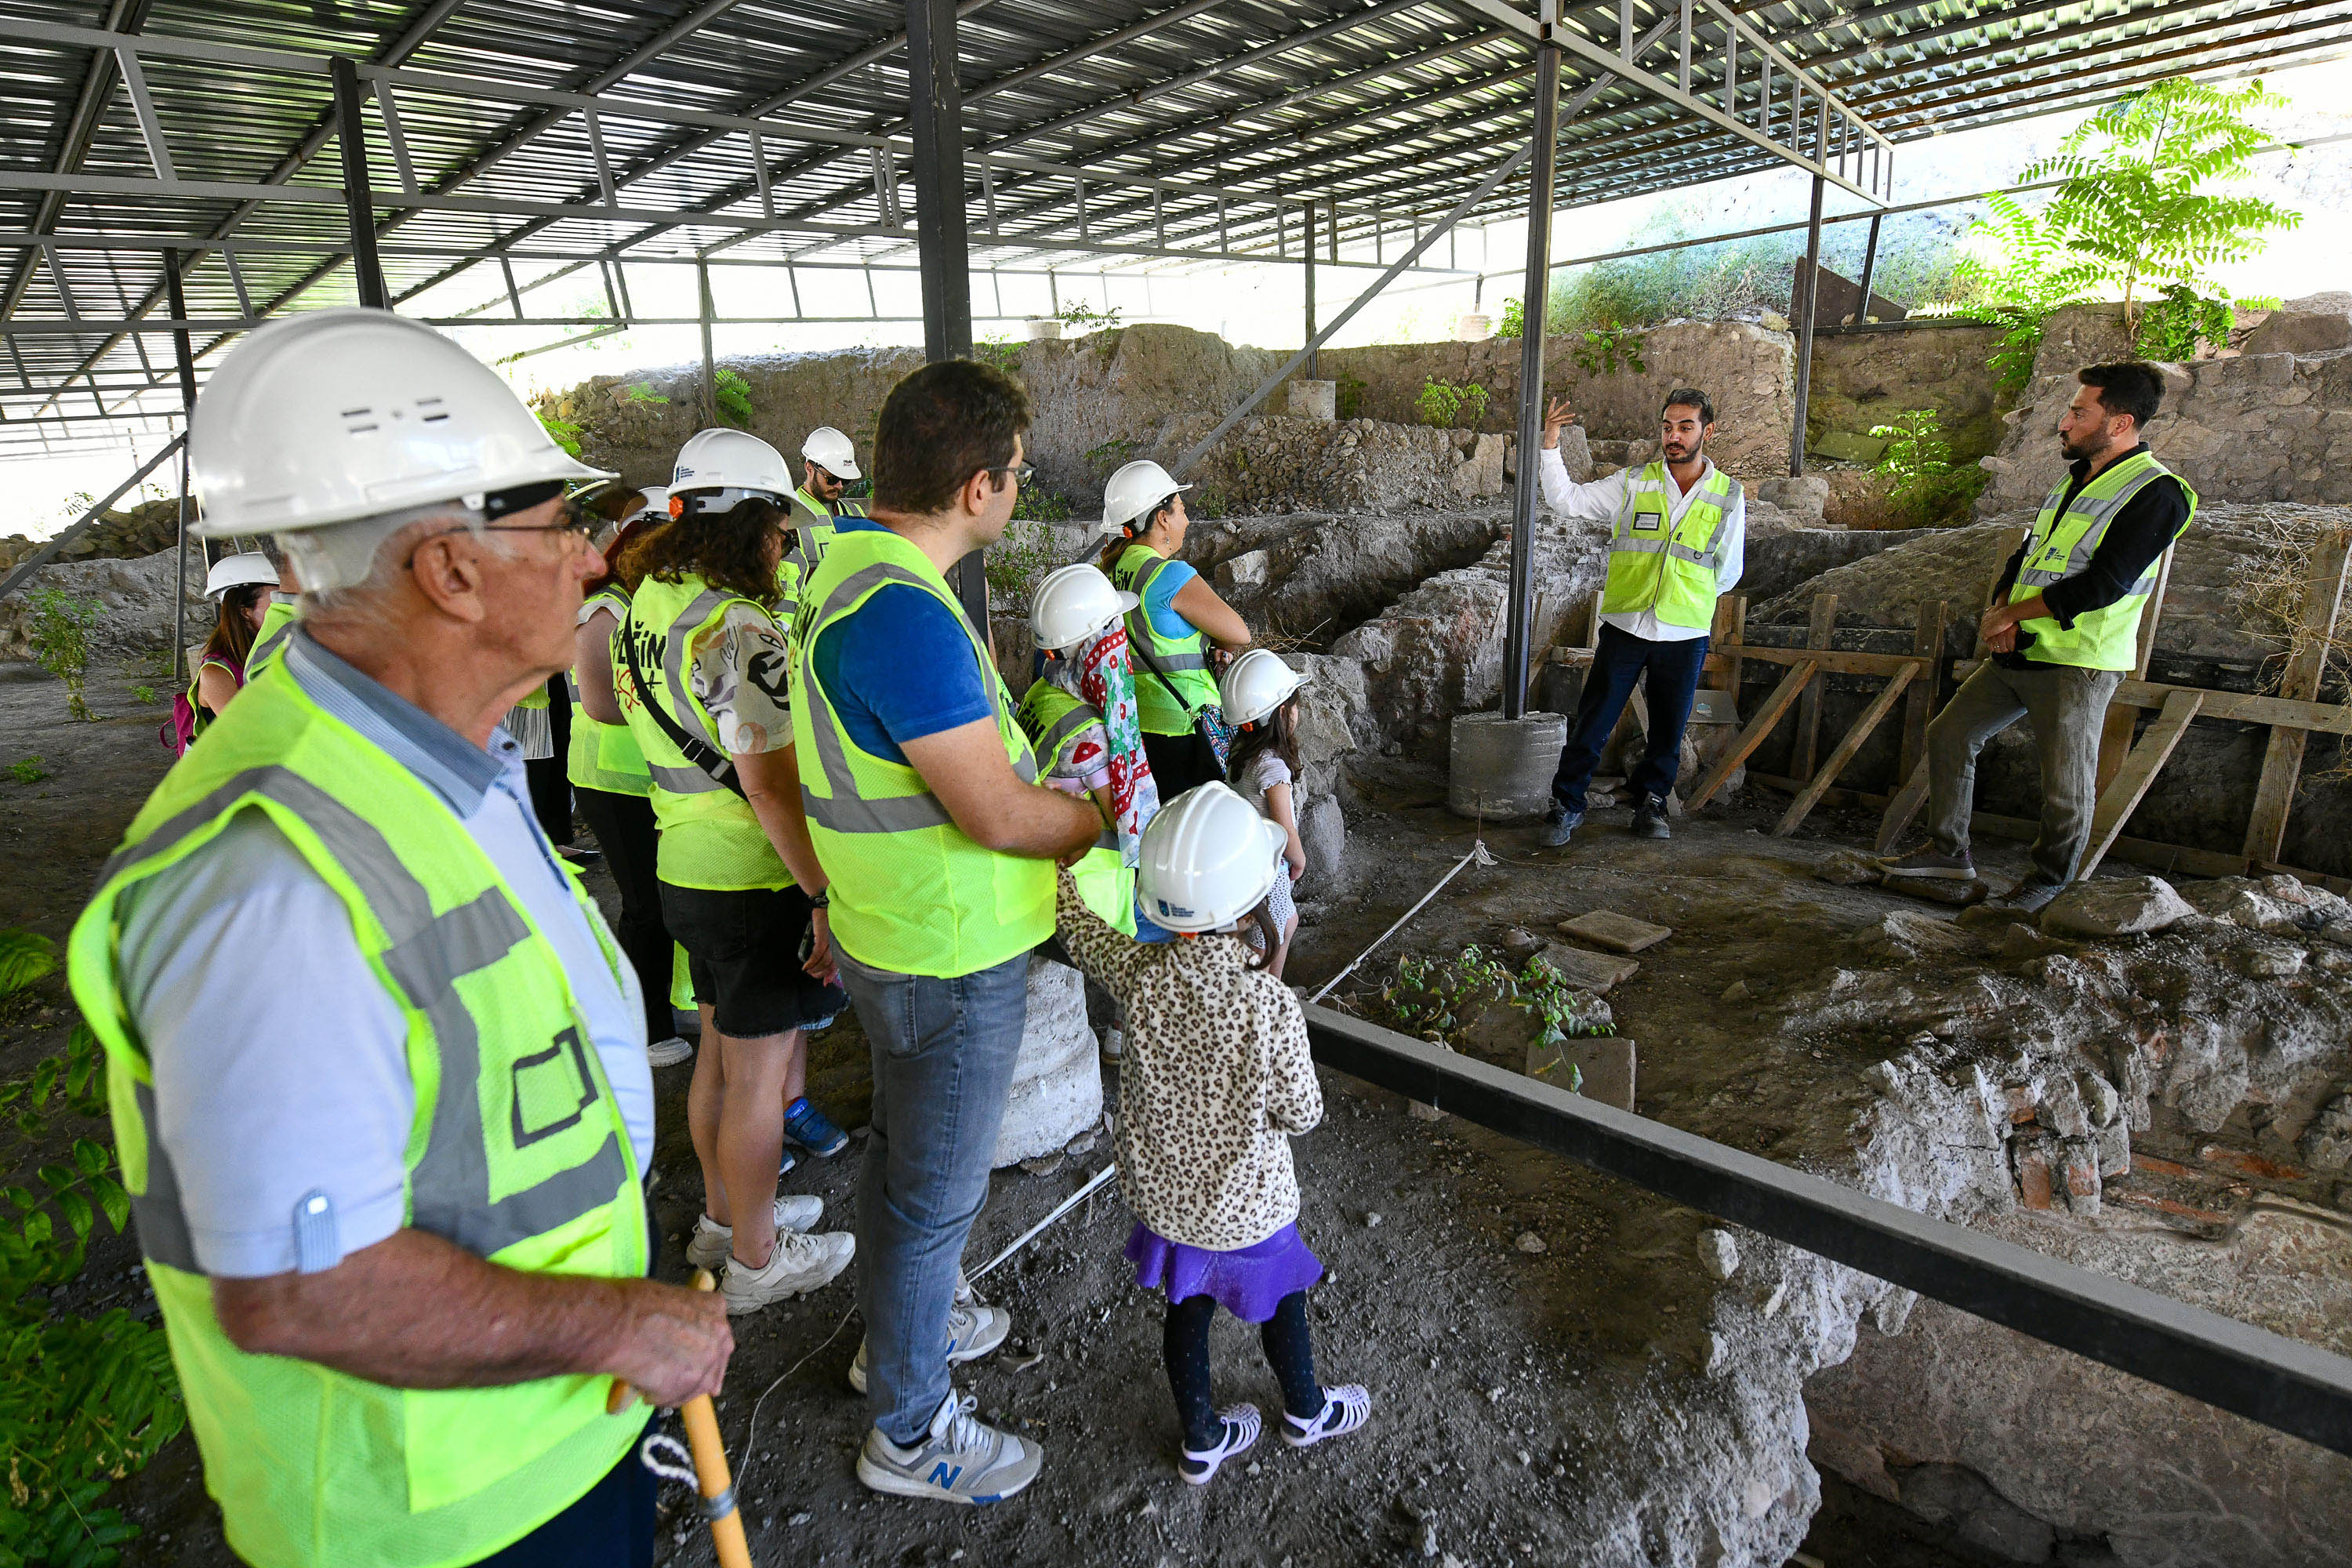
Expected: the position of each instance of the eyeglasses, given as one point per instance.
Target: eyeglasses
(1020, 471)
(570, 519)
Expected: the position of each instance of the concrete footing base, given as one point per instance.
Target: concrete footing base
(1501, 768)
(1056, 1086)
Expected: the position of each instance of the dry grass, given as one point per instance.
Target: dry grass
(2271, 583)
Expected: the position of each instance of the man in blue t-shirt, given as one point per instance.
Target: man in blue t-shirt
(904, 678)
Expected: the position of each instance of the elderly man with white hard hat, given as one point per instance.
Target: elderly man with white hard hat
(377, 1066)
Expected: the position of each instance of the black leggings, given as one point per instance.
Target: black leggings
(1287, 1351)
(624, 827)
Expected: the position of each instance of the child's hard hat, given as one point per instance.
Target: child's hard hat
(1255, 684)
(1209, 859)
(1073, 604)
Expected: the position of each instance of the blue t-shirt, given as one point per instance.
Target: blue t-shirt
(1159, 603)
(900, 668)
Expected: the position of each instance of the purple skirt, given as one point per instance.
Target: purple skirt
(1249, 1283)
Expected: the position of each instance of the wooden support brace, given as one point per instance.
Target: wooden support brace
(2323, 601)
(1784, 697)
(1927, 641)
(2121, 798)
(1883, 704)
(1729, 631)
(1903, 809)
(2116, 729)
(1809, 711)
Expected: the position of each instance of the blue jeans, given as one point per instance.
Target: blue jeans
(1672, 671)
(943, 1053)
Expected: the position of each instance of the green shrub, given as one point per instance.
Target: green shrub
(1608, 349)
(1001, 351)
(560, 431)
(642, 392)
(732, 395)
(1926, 491)
(1348, 398)
(1112, 455)
(1086, 318)
(1023, 555)
(28, 770)
(60, 629)
(1513, 322)
(25, 957)
(1450, 406)
(2181, 320)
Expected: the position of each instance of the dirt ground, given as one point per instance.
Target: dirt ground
(1485, 1361)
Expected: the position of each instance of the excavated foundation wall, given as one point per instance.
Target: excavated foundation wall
(1865, 379)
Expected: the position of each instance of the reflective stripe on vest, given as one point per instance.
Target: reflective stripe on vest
(911, 893)
(270, 638)
(517, 1152)
(605, 756)
(1668, 565)
(709, 836)
(1162, 704)
(2062, 544)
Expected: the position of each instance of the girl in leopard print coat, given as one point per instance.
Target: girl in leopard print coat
(1214, 1081)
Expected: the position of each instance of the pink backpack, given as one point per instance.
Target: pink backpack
(175, 733)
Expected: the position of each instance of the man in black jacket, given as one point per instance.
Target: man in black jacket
(2062, 628)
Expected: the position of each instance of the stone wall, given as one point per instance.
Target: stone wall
(2272, 421)
(1865, 379)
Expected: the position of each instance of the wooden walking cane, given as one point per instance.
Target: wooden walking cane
(711, 1476)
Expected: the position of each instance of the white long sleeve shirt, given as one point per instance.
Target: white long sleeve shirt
(1603, 499)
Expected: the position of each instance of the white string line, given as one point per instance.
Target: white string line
(1477, 852)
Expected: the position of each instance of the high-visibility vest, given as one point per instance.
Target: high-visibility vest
(1054, 720)
(1668, 567)
(270, 638)
(607, 756)
(812, 529)
(204, 720)
(911, 893)
(709, 836)
(518, 1153)
(2061, 546)
(1185, 658)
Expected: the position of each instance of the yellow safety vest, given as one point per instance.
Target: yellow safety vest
(1054, 720)
(2061, 546)
(518, 1154)
(911, 893)
(812, 530)
(709, 838)
(1666, 567)
(607, 756)
(1161, 704)
(270, 638)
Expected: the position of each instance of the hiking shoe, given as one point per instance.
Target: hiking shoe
(799, 1264)
(1345, 1408)
(1559, 827)
(711, 1242)
(813, 1129)
(1649, 818)
(670, 1052)
(1928, 862)
(972, 1332)
(1237, 1429)
(2031, 896)
(960, 1459)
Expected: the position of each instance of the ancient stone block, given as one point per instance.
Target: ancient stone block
(2115, 1149)
(1243, 574)
(2113, 905)
(1056, 1085)
(1590, 971)
(1846, 868)
(1617, 933)
(2079, 1167)
(1937, 890)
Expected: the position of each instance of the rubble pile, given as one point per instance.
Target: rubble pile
(115, 536)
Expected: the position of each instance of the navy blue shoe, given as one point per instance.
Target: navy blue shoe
(813, 1129)
(1559, 827)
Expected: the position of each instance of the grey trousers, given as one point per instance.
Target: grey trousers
(2066, 706)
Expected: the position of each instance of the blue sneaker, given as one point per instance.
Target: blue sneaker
(813, 1129)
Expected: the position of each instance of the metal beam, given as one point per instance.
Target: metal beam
(1525, 497)
(80, 525)
(124, 16)
(367, 271)
(1812, 304)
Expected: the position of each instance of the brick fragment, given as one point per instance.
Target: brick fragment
(2033, 1186)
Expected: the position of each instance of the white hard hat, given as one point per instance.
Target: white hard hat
(331, 416)
(237, 572)
(1209, 859)
(652, 498)
(831, 450)
(729, 465)
(1074, 604)
(1254, 685)
(1135, 489)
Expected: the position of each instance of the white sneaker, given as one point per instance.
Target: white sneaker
(670, 1052)
(711, 1242)
(1238, 1426)
(799, 1264)
(959, 1460)
(972, 1333)
(1113, 1046)
(1345, 1408)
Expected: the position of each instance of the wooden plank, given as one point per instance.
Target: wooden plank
(2114, 743)
(1784, 697)
(1879, 706)
(1592, 623)
(2323, 600)
(1902, 808)
(2139, 770)
(1730, 631)
(1809, 710)
(1831, 661)
(2239, 707)
(1927, 642)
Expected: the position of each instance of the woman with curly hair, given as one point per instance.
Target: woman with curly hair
(704, 667)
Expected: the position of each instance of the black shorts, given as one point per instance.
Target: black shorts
(1179, 763)
(744, 954)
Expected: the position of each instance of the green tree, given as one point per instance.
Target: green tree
(2138, 200)
(61, 625)
(2016, 270)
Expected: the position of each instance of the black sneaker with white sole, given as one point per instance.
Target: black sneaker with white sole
(1649, 818)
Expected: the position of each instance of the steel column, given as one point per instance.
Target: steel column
(187, 362)
(353, 137)
(1313, 365)
(1805, 328)
(1523, 499)
(940, 239)
(704, 310)
(1869, 271)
